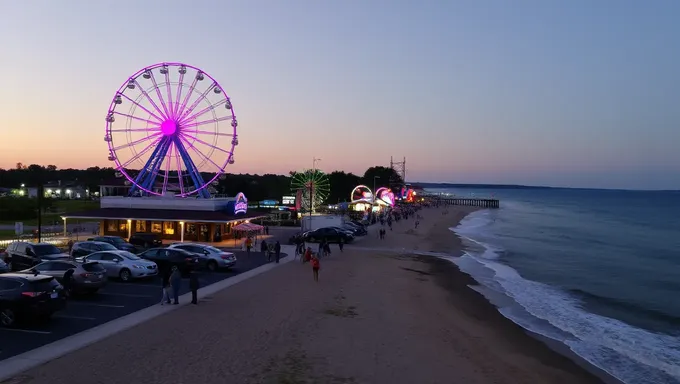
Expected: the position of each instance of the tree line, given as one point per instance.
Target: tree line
(255, 187)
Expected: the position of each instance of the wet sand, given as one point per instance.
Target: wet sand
(375, 317)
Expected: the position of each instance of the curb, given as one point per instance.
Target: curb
(33, 358)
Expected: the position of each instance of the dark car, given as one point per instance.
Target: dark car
(28, 296)
(87, 277)
(23, 255)
(356, 230)
(329, 234)
(116, 241)
(146, 240)
(167, 258)
(84, 248)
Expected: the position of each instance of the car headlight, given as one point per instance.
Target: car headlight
(138, 266)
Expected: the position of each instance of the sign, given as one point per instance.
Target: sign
(18, 228)
(240, 204)
(288, 200)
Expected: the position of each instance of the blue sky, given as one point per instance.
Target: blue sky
(571, 93)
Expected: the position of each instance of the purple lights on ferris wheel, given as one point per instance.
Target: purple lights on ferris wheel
(169, 125)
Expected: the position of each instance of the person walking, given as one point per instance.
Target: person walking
(194, 285)
(341, 244)
(175, 282)
(165, 287)
(277, 251)
(264, 249)
(316, 265)
(249, 245)
(67, 281)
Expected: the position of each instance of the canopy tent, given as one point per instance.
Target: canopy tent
(247, 227)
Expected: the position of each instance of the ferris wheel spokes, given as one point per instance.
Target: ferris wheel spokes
(203, 111)
(180, 107)
(139, 154)
(141, 106)
(136, 118)
(204, 143)
(204, 122)
(171, 105)
(146, 94)
(147, 175)
(132, 144)
(158, 93)
(186, 112)
(193, 172)
(204, 156)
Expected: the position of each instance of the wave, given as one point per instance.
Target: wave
(630, 354)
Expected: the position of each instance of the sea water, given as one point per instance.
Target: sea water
(597, 270)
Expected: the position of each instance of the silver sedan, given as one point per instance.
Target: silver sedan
(123, 264)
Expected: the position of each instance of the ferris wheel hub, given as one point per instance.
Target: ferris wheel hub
(169, 127)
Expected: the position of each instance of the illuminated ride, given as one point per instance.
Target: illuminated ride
(361, 193)
(171, 130)
(384, 196)
(311, 188)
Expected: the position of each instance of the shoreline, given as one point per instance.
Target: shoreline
(444, 268)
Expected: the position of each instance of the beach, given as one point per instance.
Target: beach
(380, 314)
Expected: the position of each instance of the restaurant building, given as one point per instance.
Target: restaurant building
(173, 218)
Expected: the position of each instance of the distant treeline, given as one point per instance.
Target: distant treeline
(255, 187)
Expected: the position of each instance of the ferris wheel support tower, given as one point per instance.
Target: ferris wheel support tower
(398, 167)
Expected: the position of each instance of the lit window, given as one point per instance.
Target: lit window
(156, 227)
(140, 226)
(169, 228)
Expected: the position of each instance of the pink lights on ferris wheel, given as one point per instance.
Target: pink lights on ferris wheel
(169, 128)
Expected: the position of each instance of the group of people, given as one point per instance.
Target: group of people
(269, 249)
(171, 283)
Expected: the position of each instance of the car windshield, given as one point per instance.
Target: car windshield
(117, 240)
(213, 249)
(107, 247)
(45, 249)
(130, 256)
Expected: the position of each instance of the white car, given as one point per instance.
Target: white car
(217, 258)
(122, 264)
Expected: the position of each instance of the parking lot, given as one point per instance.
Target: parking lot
(115, 300)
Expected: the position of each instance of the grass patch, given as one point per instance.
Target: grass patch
(59, 207)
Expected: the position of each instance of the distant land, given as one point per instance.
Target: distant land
(511, 186)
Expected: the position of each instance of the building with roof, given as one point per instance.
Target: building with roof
(171, 217)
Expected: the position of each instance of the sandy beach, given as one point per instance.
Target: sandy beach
(376, 316)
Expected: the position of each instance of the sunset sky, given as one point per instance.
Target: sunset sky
(576, 93)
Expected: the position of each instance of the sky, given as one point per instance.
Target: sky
(575, 93)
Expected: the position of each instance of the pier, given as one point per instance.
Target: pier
(469, 202)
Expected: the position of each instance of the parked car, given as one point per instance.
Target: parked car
(123, 264)
(356, 229)
(84, 248)
(116, 241)
(23, 255)
(87, 277)
(146, 240)
(331, 235)
(345, 230)
(217, 258)
(25, 296)
(165, 258)
(4, 268)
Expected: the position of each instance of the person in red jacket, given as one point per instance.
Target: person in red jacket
(315, 267)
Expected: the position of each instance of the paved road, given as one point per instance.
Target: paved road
(117, 299)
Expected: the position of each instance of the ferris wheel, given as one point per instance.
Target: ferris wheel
(171, 130)
(312, 187)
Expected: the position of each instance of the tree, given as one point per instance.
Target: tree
(342, 184)
(383, 177)
(51, 168)
(20, 166)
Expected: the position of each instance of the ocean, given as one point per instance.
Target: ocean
(595, 270)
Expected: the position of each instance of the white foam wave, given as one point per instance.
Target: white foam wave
(633, 355)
